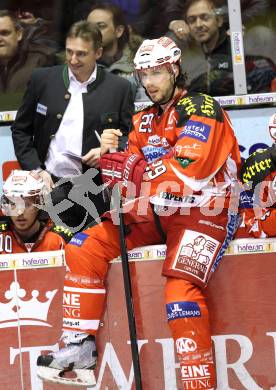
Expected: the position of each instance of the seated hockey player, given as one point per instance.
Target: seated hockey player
(258, 173)
(29, 229)
(183, 149)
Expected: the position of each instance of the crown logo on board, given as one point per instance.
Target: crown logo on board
(29, 312)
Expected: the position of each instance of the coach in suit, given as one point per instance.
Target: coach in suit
(54, 130)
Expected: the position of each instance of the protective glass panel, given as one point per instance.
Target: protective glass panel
(206, 57)
(258, 18)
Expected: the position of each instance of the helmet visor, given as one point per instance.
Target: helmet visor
(155, 75)
(14, 206)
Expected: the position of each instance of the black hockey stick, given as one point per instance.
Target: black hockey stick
(128, 294)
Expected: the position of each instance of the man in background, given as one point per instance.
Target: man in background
(63, 108)
(208, 28)
(119, 43)
(18, 56)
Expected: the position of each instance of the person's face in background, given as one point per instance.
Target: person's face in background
(81, 57)
(203, 23)
(104, 20)
(9, 38)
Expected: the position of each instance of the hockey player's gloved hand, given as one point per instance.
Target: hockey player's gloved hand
(124, 168)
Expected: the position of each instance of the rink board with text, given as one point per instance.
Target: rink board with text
(241, 298)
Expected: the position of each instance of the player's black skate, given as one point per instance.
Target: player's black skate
(73, 364)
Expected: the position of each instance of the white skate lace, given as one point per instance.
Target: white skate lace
(73, 337)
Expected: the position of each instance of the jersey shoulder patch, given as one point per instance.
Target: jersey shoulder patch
(257, 167)
(65, 233)
(79, 238)
(199, 104)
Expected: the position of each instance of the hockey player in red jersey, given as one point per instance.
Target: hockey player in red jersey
(23, 228)
(183, 157)
(258, 172)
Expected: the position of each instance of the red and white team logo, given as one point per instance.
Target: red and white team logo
(195, 254)
(195, 250)
(185, 345)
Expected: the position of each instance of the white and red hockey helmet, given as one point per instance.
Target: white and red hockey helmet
(21, 186)
(272, 127)
(156, 52)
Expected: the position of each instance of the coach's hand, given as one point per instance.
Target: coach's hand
(110, 140)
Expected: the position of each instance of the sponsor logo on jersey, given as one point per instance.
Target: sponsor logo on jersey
(64, 232)
(185, 345)
(155, 140)
(209, 223)
(196, 254)
(78, 239)
(190, 107)
(196, 376)
(207, 107)
(151, 153)
(182, 310)
(256, 170)
(29, 246)
(175, 198)
(246, 200)
(196, 130)
(188, 150)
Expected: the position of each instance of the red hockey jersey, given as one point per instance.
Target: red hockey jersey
(51, 238)
(191, 149)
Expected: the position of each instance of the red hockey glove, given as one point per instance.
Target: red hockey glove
(123, 168)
